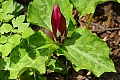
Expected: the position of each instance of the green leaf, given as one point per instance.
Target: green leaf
(22, 27)
(5, 28)
(7, 18)
(14, 39)
(4, 75)
(8, 7)
(2, 64)
(0, 48)
(118, 1)
(6, 49)
(57, 66)
(11, 42)
(3, 39)
(43, 11)
(87, 6)
(18, 20)
(29, 74)
(27, 33)
(18, 8)
(33, 52)
(7, 61)
(71, 27)
(1, 0)
(87, 51)
(21, 19)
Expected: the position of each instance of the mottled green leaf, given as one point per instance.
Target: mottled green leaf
(87, 51)
(87, 6)
(40, 11)
(33, 52)
(11, 42)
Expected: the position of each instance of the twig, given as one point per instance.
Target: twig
(108, 29)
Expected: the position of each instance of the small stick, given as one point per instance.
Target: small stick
(108, 29)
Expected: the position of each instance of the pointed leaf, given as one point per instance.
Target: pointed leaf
(43, 11)
(18, 20)
(87, 51)
(21, 19)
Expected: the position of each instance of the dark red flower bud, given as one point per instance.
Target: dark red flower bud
(58, 24)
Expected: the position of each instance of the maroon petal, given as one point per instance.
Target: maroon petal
(58, 23)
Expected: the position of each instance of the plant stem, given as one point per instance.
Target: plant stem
(89, 20)
(34, 74)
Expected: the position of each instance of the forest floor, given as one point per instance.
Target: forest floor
(106, 25)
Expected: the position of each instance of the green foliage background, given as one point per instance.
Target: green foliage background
(25, 53)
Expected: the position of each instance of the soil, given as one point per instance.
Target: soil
(106, 25)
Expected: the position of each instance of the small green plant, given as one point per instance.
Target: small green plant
(12, 31)
(26, 54)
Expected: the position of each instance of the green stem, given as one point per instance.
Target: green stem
(34, 74)
(89, 20)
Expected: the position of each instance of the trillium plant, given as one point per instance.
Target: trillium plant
(59, 46)
(82, 49)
